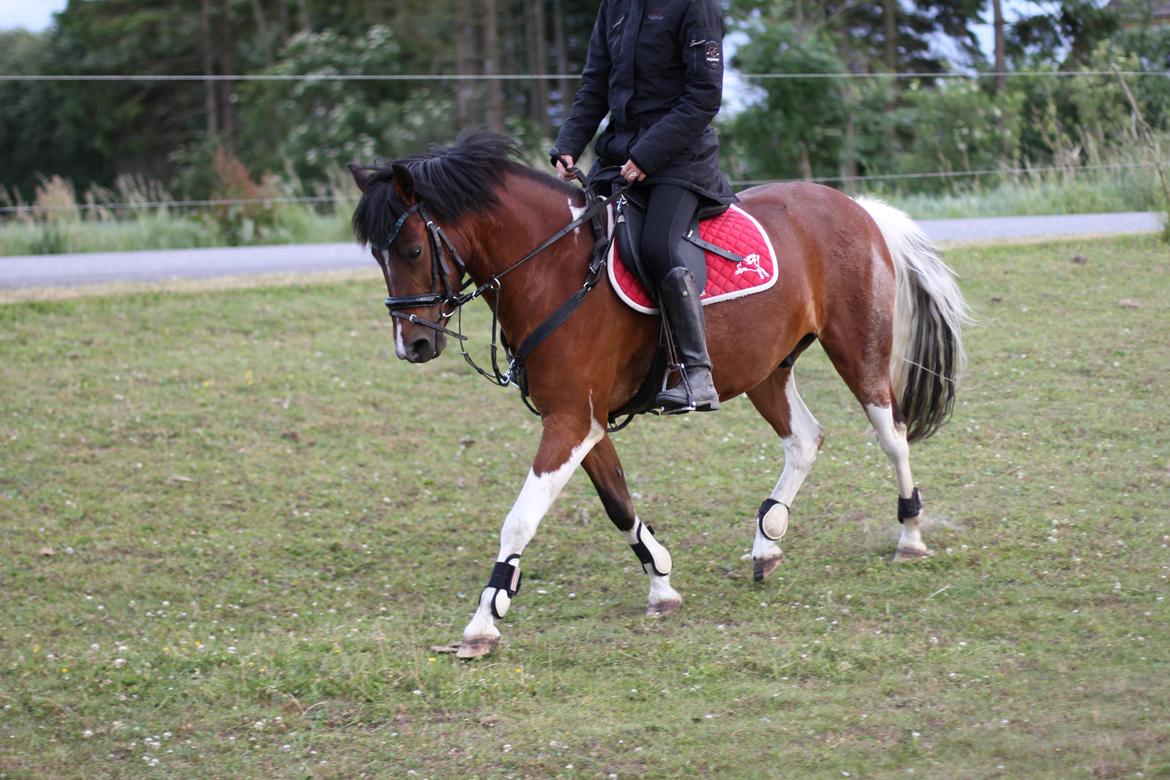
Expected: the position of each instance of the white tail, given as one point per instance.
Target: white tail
(929, 314)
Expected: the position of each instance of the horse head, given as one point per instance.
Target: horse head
(421, 276)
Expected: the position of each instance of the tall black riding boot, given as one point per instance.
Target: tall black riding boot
(678, 295)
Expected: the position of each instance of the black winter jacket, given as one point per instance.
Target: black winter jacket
(656, 67)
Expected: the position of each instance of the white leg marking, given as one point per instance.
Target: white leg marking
(892, 438)
(910, 539)
(535, 498)
(660, 590)
(800, 451)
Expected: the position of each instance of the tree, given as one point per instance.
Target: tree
(132, 126)
(312, 128)
(1067, 32)
(33, 139)
(998, 25)
(491, 52)
(794, 129)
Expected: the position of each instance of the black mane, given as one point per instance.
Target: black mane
(451, 181)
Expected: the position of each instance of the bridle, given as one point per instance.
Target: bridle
(452, 301)
(441, 292)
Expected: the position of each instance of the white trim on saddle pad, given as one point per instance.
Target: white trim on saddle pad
(775, 274)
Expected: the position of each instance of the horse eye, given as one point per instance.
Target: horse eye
(415, 253)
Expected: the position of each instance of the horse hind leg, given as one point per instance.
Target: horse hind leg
(867, 374)
(778, 402)
(605, 470)
(891, 432)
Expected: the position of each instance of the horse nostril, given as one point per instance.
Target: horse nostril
(420, 348)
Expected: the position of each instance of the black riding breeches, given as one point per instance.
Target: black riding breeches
(669, 211)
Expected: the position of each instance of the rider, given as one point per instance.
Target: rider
(656, 67)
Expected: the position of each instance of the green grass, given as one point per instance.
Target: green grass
(233, 525)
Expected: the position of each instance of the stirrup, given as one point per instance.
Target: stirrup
(686, 402)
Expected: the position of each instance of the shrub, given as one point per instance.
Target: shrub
(243, 222)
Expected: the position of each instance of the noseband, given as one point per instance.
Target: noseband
(439, 245)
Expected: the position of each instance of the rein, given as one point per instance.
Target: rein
(453, 302)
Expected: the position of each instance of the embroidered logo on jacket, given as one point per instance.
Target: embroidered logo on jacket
(714, 56)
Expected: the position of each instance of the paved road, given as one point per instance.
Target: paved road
(152, 266)
(1064, 226)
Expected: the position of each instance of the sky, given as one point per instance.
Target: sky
(29, 14)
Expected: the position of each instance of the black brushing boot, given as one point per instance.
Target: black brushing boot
(678, 295)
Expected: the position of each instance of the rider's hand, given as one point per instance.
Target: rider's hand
(564, 167)
(631, 172)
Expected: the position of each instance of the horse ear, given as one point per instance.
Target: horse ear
(403, 185)
(361, 176)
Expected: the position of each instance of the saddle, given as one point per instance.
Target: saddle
(631, 217)
(725, 249)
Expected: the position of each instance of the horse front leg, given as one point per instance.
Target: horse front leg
(564, 443)
(605, 471)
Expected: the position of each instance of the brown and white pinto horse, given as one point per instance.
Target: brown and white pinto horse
(857, 276)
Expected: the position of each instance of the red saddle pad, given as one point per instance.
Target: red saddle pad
(735, 230)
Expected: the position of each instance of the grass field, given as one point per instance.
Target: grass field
(233, 525)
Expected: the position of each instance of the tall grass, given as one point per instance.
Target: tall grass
(140, 214)
(1112, 181)
(1045, 193)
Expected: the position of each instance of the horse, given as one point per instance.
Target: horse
(856, 275)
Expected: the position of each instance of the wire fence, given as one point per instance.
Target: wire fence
(1015, 171)
(141, 205)
(326, 77)
(320, 200)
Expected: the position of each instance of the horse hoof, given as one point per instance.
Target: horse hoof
(762, 568)
(660, 608)
(906, 554)
(477, 647)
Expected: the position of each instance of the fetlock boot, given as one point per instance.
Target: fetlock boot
(678, 295)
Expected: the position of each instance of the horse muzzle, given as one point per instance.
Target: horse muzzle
(423, 347)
